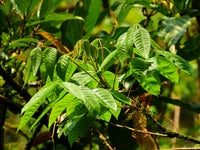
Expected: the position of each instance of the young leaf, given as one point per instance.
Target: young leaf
(36, 57)
(31, 107)
(106, 98)
(61, 66)
(50, 61)
(43, 70)
(59, 107)
(129, 39)
(142, 42)
(121, 48)
(177, 60)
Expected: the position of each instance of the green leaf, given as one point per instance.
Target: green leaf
(77, 127)
(129, 39)
(65, 68)
(76, 108)
(15, 44)
(120, 97)
(36, 57)
(92, 17)
(116, 113)
(43, 70)
(109, 60)
(121, 48)
(150, 83)
(139, 66)
(71, 31)
(172, 29)
(47, 108)
(85, 94)
(167, 69)
(90, 100)
(32, 106)
(25, 6)
(123, 13)
(106, 98)
(142, 42)
(48, 7)
(177, 60)
(190, 51)
(106, 116)
(82, 78)
(25, 40)
(54, 17)
(29, 72)
(63, 101)
(111, 79)
(50, 61)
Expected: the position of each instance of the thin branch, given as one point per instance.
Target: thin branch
(104, 140)
(171, 134)
(132, 129)
(86, 72)
(15, 85)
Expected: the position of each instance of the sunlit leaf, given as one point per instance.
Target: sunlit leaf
(121, 48)
(59, 107)
(85, 94)
(32, 106)
(50, 61)
(106, 98)
(142, 42)
(172, 29)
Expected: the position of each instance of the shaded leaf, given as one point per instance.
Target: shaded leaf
(77, 127)
(65, 68)
(120, 97)
(36, 57)
(48, 7)
(50, 61)
(177, 60)
(92, 17)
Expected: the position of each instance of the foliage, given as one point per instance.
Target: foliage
(87, 81)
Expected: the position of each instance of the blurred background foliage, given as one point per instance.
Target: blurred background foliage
(177, 118)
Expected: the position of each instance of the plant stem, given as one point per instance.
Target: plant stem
(86, 72)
